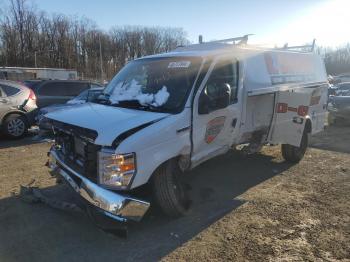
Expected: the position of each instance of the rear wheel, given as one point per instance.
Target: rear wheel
(169, 191)
(294, 154)
(15, 126)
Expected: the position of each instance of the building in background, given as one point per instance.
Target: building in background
(25, 73)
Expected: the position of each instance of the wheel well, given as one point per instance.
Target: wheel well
(14, 113)
(175, 159)
(308, 126)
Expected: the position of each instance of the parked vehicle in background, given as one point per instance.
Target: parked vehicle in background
(339, 106)
(342, 78)
(49, 92)
(83, 97)
(340, 89)
(17, 108)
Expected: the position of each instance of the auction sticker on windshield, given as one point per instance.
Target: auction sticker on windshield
(179, 64)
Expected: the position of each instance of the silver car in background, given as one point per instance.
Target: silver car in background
(17, 108)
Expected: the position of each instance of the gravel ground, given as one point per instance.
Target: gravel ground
(255, 208)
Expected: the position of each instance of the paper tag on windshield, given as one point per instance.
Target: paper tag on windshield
(179, 64)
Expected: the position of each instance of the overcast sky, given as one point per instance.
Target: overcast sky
(273, 22)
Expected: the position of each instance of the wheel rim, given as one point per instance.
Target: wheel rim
(16, 127)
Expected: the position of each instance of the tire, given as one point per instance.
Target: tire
(15, 126)
(294, 154)
(169, 191)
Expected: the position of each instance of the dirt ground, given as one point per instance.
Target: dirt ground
(255, 208)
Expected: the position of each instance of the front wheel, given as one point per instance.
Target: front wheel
(169, 191)
(15, 126)
(294, 154)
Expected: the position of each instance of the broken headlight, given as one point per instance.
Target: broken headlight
(116, 170)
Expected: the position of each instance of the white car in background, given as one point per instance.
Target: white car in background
(17, 108)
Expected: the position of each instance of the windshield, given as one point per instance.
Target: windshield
(162, 83)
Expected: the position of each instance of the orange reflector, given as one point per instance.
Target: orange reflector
(282, 108)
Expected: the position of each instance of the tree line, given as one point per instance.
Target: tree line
(337, 60)
(30, 37)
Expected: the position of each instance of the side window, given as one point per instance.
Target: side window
(51, 89)
(9, 90)
(221, 87)
(75, 88)
(63, 88)
(224, 73)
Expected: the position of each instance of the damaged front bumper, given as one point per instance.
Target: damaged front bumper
(116, 206)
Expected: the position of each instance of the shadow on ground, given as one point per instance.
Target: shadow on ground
(35, 232)
(31, 138)
(333, 138)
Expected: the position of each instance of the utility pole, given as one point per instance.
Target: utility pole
(99, 37)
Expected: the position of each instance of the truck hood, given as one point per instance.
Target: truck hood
(108, 121)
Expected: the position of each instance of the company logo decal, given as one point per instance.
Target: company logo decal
(214, 127)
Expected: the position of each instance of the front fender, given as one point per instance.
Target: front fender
(157, 143)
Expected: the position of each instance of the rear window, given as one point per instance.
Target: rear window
(32, 84)
(9, 90)
(63, 88)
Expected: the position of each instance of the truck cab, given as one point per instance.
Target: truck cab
(165, 114)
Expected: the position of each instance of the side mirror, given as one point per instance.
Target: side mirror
(219, 97)
(224, 96)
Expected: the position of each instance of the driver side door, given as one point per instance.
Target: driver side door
(216, 111)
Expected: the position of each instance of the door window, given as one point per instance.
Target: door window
(74, 88)
(51, 89)
(63, 88)
(221, 87)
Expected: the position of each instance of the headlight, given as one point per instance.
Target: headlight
(116, 170)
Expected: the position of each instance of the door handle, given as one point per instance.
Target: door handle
(4, 100)
(234, 122)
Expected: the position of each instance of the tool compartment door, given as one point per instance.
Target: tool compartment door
(288, 123)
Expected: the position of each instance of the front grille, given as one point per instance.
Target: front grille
(78, 153)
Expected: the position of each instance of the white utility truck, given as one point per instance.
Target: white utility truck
(165, 114)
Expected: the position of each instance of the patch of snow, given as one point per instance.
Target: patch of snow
(133, 91)
(76, 102)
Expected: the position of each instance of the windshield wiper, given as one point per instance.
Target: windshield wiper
(135, 104)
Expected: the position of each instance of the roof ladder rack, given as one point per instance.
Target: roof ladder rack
(312, 46)
(241, 39)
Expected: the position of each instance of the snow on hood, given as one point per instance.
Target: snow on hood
(133, 91)
(75, 101)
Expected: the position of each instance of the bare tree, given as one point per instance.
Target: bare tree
(30, 37)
